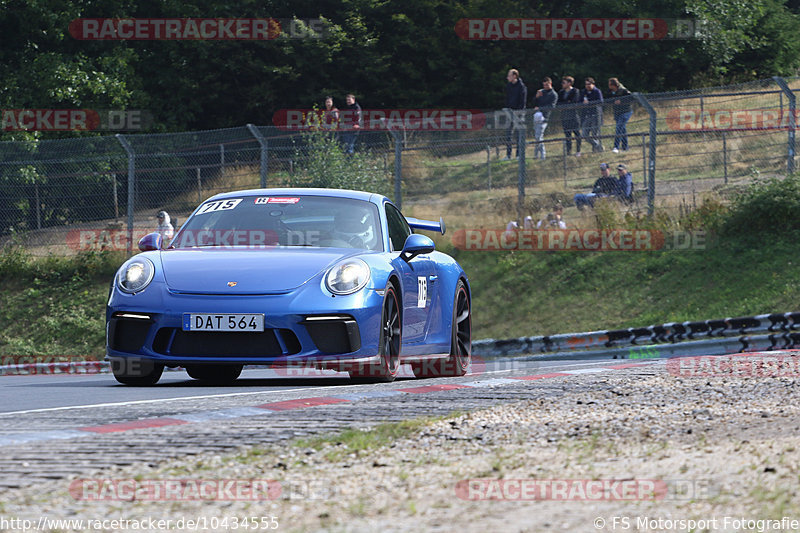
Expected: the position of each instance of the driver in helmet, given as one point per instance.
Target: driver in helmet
(353, 227)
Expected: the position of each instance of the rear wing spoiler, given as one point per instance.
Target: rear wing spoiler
(428, 225)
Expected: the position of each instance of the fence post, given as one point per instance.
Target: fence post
(116, 198)
(489, 166)
(644, 162)
(264, 153)
(131, 186)
(521, 172)
(651, 163)
(725, 157)
(398, 167)
(790, 149)
(564, 148)
(199, 187)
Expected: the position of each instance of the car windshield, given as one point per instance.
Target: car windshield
(265, 221)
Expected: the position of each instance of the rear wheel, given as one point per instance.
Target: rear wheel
(215, 374)
(388, 367)
(460, 341)
(136, 372)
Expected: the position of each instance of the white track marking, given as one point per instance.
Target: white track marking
(329, 388)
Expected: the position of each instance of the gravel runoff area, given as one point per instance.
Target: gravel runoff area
(724, 452)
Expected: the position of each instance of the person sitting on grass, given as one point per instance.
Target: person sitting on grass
(625, 183)
(604, 186)
(554, 220)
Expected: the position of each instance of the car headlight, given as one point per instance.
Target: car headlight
(347, 277)
(135, 275)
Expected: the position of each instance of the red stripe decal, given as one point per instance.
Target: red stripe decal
(433, 388)
(134, 424)
(541, 376)
(301, 403)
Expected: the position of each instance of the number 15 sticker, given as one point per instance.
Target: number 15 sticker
(422, 292)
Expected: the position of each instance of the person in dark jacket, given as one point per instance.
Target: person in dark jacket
(516, 101)
(604, 186)
(623, 110)
(569, 97)
(330, 115)
(592, 114)
(351, 124)
(543, 104)
(625, 185)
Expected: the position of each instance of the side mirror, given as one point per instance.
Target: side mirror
(415, 245)
(151, 241)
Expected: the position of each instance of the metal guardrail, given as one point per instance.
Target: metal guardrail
(775, 331)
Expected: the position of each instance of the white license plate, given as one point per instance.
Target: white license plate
(223, 322)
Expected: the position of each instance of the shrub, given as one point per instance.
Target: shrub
(766, 206)
(324, 164)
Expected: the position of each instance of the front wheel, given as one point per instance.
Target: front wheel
(388, 367)
(460, 341)
(215, 374)
(136, 372)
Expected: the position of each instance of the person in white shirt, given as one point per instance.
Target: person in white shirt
(165, 227)
(553, 220)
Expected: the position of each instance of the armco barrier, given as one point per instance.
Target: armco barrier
(706, 337)
(776, 331)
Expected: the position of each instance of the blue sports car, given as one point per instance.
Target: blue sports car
(329, 278)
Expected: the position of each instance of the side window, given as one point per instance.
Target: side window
(398, 227)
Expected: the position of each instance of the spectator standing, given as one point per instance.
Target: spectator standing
(545, 101)
(330, 116)
(351, 124)
(164, 228)
(623, 110)
(604, 186)
(569, 96)
(592, 114)
(516, 101)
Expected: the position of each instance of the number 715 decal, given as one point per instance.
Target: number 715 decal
(219, 205)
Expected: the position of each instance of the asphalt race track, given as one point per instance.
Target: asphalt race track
(63, 425)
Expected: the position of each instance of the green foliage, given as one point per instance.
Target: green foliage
(770, 206)
(326, 165)
(17, 265)
(391, 54)
(54, 306)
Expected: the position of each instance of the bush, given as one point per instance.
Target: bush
(17, 264)
(767, 206)
(324, 164)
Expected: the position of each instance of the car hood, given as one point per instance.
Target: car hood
(216, 271)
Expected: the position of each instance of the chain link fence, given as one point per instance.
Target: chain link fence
(61, 196)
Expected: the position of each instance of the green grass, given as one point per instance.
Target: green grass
(514, 293)
(541, 293)
(55, 305)
(351, 440)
